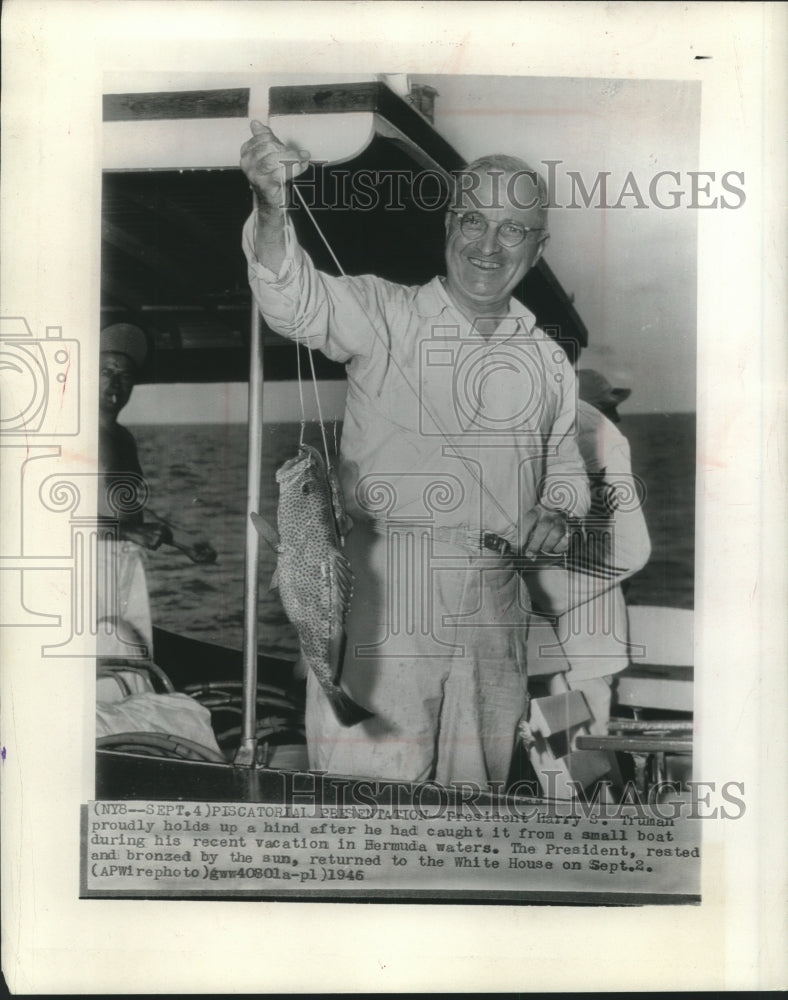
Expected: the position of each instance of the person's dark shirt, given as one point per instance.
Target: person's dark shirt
(119, 467)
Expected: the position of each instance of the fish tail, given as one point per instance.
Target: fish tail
(347, 711)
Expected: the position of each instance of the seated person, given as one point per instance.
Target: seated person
(124, 618)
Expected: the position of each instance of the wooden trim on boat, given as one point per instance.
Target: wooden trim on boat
(176, 104)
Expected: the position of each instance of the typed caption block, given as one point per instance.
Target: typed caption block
(180, 849)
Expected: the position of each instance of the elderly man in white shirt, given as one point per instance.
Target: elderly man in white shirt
(458, 453)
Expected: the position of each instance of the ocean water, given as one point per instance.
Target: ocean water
(197, 479)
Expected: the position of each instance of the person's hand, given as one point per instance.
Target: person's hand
(267, 163)
(545, 532)
(202, 553)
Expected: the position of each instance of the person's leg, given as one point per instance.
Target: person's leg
(485, 694)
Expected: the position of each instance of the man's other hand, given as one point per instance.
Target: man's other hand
(202, 553)
(545, 532)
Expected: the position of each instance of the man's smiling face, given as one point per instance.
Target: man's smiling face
(481, 272)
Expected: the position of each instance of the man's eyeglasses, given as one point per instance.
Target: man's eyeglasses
(473, 225)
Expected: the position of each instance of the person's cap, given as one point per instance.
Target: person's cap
(595, 389)
(124, 338)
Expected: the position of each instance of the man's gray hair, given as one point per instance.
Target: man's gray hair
(500, 163)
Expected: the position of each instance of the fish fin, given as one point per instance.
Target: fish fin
(274, 584)
(337, 640)
(343, 519)
(345, 526)
(343, 575)
(265, 531)
(346, 710)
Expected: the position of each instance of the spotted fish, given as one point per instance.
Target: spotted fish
(314, 578)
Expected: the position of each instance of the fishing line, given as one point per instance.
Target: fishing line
(319, 231)
(319, 410)
(468, 465)
(288, 251)
(288, 254)
(300, 395)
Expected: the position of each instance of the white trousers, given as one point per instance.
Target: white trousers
(436, 639)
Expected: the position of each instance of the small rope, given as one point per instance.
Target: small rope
(300, 395)
(288, 248)
(288, 254)
(319, 411)
(319, 231)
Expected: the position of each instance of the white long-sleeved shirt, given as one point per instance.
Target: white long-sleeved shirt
(441, 425)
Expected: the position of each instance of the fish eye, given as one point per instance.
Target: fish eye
(306, 488)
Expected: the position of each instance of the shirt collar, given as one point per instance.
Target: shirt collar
(432, 299)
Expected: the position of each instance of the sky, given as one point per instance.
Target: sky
(631, 269)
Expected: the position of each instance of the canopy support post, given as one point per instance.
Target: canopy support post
(247, 751)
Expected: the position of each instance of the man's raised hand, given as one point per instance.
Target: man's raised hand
(268, 163)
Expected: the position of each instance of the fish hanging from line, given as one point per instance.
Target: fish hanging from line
(314, 578)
